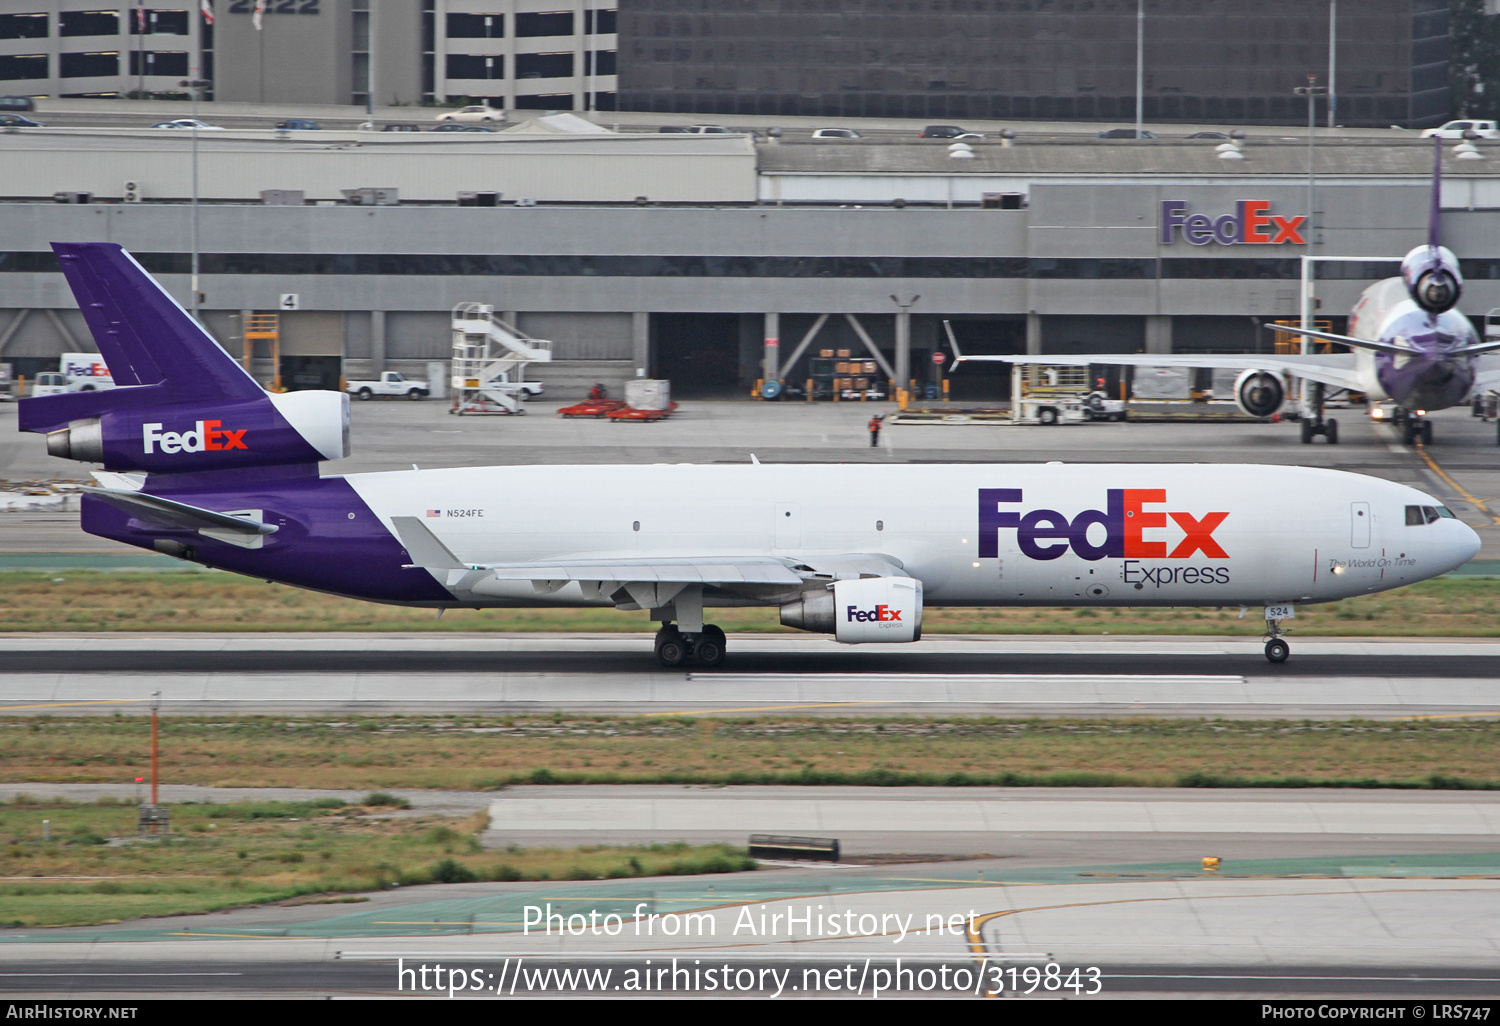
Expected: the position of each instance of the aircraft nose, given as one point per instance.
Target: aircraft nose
(1462, 544)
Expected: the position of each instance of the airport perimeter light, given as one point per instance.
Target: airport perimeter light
(197, 85)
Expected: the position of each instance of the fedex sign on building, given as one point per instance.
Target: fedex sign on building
(1251, 224)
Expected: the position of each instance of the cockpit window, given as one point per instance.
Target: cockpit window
(1418, 515)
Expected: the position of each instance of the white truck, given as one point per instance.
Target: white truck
(77, 372)
(391, 383)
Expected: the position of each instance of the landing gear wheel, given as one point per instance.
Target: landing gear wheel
(1307, 432)
(710, 649)
(672, 651)
(1277, 650)
(1331, 432)
(1409, 433)
(1426, 432)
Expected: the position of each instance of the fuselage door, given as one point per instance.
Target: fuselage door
(1359, 526)
(788, 525)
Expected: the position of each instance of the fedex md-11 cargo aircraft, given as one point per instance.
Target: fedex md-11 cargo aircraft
(1409, 344)
(202, 463)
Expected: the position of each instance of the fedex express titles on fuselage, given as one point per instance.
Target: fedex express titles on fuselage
(972, 534)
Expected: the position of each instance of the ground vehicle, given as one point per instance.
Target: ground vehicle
(451, 127)
(19, 121)
(1208, 135)
(477, 113)
(298, 125)
(1456, 130)
(77, 372)
(943, 132)
(701, 130)
(17, 103)
(835, 133)
(1123, 133)
(401, 126)
(390, 383)
(188, 123)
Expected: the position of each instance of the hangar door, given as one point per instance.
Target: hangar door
(312, 350)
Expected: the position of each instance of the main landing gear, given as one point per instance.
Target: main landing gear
(1277, 650)
(1317, 425)
(706, 648)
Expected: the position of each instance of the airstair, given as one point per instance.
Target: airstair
(490, 358)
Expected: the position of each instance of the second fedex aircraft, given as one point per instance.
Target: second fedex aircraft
(201, 463)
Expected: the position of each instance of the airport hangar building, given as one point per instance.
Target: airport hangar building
(706, 259)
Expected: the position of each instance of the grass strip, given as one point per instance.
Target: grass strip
(65, 864)
(479, 752)
(84, 600)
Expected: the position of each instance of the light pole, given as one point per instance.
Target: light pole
(1140, 66)
(1311, 91)
(196, 298)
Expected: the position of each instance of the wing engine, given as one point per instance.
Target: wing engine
(1259, 393)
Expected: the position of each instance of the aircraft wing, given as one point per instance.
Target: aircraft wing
(1337, 369)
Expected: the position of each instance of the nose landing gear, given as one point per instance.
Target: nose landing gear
(706, 648)
(1277, 650)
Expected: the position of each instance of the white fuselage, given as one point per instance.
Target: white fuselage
(1286, 533)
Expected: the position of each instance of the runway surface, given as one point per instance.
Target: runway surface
(617, 674)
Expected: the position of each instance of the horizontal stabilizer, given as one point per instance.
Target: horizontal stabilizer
(423, 546)
(155, 509)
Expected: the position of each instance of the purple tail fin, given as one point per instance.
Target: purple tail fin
(148, 341)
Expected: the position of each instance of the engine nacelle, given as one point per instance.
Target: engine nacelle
(1259, 393)
(885, 609)
(292, 427)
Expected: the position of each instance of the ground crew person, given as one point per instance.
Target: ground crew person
(874, 430)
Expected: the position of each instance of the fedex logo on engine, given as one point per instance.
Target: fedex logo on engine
(1118, 530)
(880, 614)
(1250, 224)
(206, 436)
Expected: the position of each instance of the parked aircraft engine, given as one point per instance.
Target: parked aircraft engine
(885, 609)
(1259, 393)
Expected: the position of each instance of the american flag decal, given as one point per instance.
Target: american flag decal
(434, 512)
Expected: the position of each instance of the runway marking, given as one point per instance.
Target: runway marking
(1422, 452)
(59, 705)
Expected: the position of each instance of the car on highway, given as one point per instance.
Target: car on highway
(1123, 133)
(1457, 130)
(298, 125)
(17, 103)
(188, 123)
(478, 114)
(19, 121)
(449, 126)
(835, 133)
(702, 130)
(401, 126)
(943, 132)
(1208, 135)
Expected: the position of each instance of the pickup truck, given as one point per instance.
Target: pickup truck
(391, 383)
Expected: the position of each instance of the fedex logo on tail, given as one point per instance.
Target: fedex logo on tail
(880, 614)
(1048, 534)
(206, 436)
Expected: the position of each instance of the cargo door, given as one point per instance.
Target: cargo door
(1359, 525)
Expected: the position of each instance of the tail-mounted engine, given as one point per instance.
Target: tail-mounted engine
(885, 609)
(1432, 278)
(292, 427)
(1259, 393)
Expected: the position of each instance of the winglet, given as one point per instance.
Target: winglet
(424, 547)
(958, 357)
